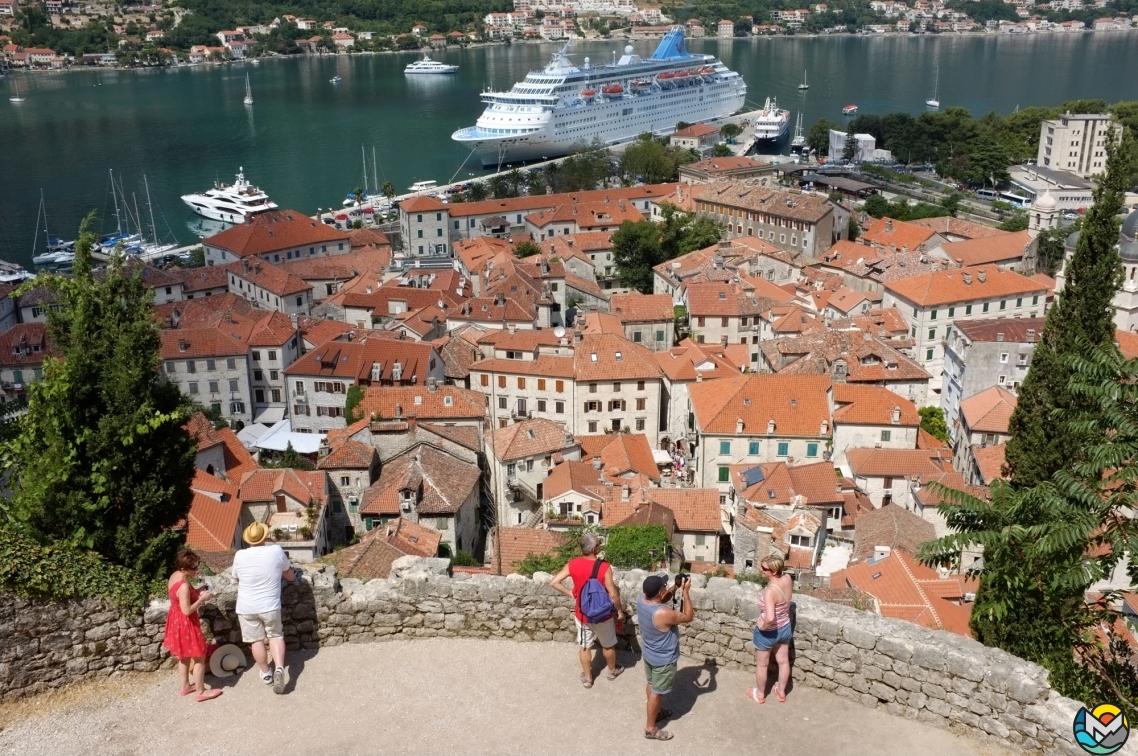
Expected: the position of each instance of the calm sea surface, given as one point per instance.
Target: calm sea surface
(300, 141)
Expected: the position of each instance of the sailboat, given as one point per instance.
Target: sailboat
(799, 140)
(17, 98)
(934, 102)
(804, 85)
(57, 251)
(248, 91)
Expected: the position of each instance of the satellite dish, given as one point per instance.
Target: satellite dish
(559, 332)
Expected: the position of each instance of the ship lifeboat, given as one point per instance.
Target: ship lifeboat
(589, 94)
(666, 76)
(708, 70)
(613, 89)
(849, 110)
(641, 84)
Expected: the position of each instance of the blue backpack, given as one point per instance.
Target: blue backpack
(596, 605)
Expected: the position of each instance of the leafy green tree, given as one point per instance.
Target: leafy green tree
(100, 460)
(730, 130)
(526, 248)
(1081, 314)
(933, 423)
(1052, 246)
(819, 135)
(853, 229)
(289, 459)
(352, 411)
(849, 149)
(636, 250)
(641, 547)
(535, 183)
(721, 150)
(876, 205)
(1017, 222)
(477, 191)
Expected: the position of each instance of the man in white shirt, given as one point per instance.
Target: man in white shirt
(258, 571)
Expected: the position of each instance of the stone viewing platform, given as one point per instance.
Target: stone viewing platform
(862, 682)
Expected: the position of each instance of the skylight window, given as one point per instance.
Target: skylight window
(593, 356)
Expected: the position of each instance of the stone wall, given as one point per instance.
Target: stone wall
(933, 677)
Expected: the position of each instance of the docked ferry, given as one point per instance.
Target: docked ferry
(772, 122)
(565, 105)
(230, 203)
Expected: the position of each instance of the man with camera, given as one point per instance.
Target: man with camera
(660, 642)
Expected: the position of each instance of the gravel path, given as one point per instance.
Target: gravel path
(456, 696)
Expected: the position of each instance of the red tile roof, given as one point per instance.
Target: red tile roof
(515, 544)
(898, 463)
(993, 249)
(696, 130)
(269, 277)
(25, 345)
(620, 453)
(274, 231)
(387, 402)
(950, 226)
(684, 362)
(963, 285)
(354, 360)
(1014, 330)
(1127, 343)
(891, 526)
(422, 204)
(872, 405)
(350, 454)
(214, 515)
(798, 404)
(989, 411)
(442, 482)
(307, 487)
(642, 308)
(188, 343)
(896, 233)
(203, 279)
(608, 357)
(370, 559)
(817, 483)
(528, 438)
(695, 509)
(990, 460)
(530, 203)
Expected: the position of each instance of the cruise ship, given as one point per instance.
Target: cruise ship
(230, 203)
(565, 105)
(771, 123)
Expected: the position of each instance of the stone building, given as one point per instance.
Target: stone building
(275, 236)
(521, 456)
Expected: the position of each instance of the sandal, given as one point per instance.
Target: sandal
(208, 695)
(188, 691)
(780, 695)
(663, 714)
(586, 681)
(658, 734)
(615, 673)
(753, 694)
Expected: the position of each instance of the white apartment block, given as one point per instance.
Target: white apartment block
(1076, 143)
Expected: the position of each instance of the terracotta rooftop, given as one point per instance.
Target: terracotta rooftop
(275, 231)
(685, 362)
(580, 244)
(762, 199)
(798, 405)
(990, 460)
(1013, 330)
(895, 233)
(872, 405)
(729, 300)
(515, 544)
(817, 483)
(993, 249)
(349, 455)
(717, 165)
(695, 509)
(303, 485)
(528, 438)
(24, 346)
(620, 453)
(270, 277)
(370, 559)
(189, 343)
(215, 511)
(892, 526)
(202, 279)
(898, 463)
(642, 308)
(441, 482)
(989, 411)
(963, 285)
(607, 357)
(357, 361)
(949, 225)
(1127, 343)
(696, 130)
(387, 402)
(530, 203)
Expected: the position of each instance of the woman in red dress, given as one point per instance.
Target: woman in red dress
(184, 637)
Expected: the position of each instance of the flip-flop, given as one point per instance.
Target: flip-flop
(658, 734)
(753, 694)
(586, 681)
(208, 695)
(613, 674)
(188, 691)
(780, 696)
(663, 714)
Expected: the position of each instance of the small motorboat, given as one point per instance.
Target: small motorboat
(849, 110)
(335, 80)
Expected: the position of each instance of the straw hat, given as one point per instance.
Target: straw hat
(255, 534)
(226, 660)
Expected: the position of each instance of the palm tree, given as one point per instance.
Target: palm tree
(477, 191)
(359, 195)
(388, 190)
(517, 181)
(499, 187)
(553, 176)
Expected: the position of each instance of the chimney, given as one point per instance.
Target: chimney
(888, 226)
(512, 328)
(739, 426)
(256, 268)
(294, 320)
(399, 410)
(698, 377)
(824, 429)
(432, 386)
(896, 415)
(245, 265)
(770, 427)
(625, 491)
(881, 552)
(981, 275)
(967, 278)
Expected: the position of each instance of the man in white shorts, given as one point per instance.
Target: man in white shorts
(258, 572)
(581, 569)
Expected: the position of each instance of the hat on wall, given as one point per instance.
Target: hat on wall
(226, 660)
(255, 534)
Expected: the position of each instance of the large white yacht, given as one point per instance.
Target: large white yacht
(566, 105)
(772, 123)
(230, 203)
(428, 66)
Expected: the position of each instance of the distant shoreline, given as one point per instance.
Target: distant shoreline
(479, 45)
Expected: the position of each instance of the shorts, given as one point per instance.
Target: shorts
(662, 678)
(588, 633)
(765, 640)
(257, 627)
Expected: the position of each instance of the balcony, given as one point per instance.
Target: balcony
(514, 483)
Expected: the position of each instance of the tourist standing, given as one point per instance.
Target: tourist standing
(773, 631)
(602, 625)
(184, 637)
(660, 643)
(258, 571)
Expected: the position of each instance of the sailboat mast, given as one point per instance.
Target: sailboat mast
(149, 204)
(115, 198)
(363, 159)
(374, 172)
(42, 211)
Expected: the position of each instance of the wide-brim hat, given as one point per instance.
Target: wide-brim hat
(226, 660)
(255, 534)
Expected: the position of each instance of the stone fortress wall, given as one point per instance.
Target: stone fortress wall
(931, 676)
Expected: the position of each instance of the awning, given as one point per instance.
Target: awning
(662, 457)
(250, 434)
(281, 435)
(270, 416)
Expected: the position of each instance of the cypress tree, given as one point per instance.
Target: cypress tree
(1081, 315)
(100, 461)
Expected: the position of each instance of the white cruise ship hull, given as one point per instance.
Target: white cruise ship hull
(552, 112)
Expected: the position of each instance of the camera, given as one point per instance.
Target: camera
(682, 578)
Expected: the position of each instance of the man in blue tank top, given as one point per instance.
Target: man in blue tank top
(660, 645)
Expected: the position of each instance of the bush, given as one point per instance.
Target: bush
(465, 559)
(637, 546)
(750, 576)
(59, 572)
